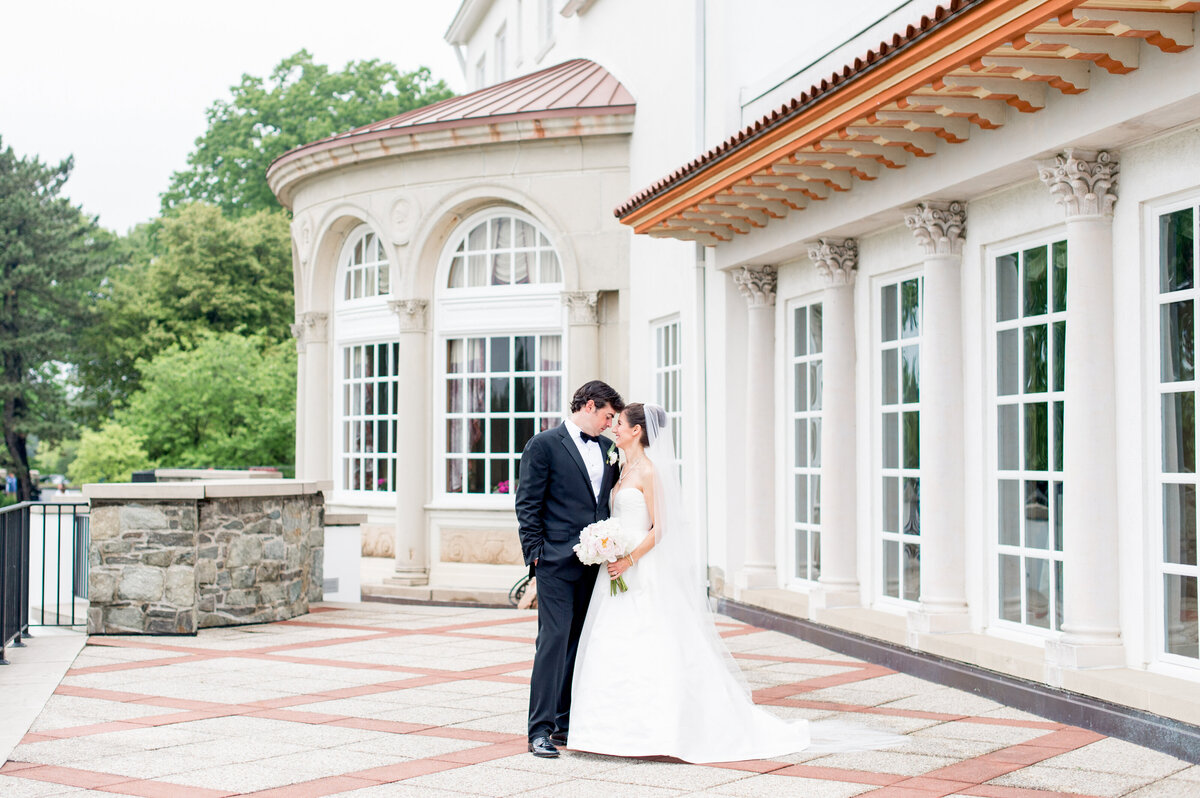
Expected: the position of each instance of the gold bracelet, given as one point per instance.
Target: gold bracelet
(632, 562)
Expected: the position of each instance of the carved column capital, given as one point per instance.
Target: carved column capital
(1084, 182)
(411, 313)
(582, 306)
(310, 328)
(757, 284)
(837, 261)
(939, 227)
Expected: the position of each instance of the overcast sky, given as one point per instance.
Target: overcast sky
(123, 85)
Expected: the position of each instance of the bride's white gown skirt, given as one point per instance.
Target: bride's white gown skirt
(649, 683)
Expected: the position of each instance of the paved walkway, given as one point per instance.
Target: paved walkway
(378, 700)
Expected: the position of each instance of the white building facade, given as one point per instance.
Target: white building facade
(925, 324)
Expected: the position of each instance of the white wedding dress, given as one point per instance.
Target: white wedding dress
(649, 680)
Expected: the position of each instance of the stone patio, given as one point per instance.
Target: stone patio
(371, 700)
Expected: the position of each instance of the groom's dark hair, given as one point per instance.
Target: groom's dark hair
(599, 392)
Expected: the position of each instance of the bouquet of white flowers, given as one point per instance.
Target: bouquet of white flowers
(605, 542)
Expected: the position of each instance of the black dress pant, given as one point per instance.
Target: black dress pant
(562, 606)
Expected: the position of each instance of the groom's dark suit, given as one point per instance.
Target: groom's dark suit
(554, 502)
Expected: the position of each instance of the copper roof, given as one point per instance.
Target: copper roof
(798, 104)
(573, 88)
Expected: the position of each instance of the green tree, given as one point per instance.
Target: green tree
(110, 454)
(298, 103)
(192, 272)
(228, 403)
(51, 257)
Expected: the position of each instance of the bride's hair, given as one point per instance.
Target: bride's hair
(635, 416)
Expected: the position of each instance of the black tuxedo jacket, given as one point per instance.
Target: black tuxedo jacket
(555, 501)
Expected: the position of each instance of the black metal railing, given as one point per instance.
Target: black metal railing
(43, 568)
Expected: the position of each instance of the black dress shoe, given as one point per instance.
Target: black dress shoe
(559, 739)
(541, 746)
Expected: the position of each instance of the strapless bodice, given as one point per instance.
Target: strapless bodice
(629, 506)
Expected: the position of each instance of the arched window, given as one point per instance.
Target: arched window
(365, 266)
(365, 366)
(500, 321)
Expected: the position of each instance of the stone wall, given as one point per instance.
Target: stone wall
(171, 559)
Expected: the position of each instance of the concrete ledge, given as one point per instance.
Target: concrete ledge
(213, 473)
(1167, 734)
(423, 594)
(207, 489)
(345, 519)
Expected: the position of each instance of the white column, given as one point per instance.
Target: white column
(583, 337)
(940, 228)
(313, 414)
(837, 262)
(757, 285)
(412, 440)
(1084, 183)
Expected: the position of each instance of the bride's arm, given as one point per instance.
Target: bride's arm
(622, 565)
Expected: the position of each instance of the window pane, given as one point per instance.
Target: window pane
(814, 442)
(1010, 512)
(1036, 359)
(476, 482)
(1058, 595)
(475, 355)
(1058, 516)
(523, 345)
(499, 480)
(891, 440)
(475, 441)
(912, 571)
(1058, 436)
(814, 540)
(454, 396)
(891, 568)
(891, 379)
(524, 431)
(551, 393)
(454, 476)
(912, 506)
(1176, 252)
(523, 401)
(912, 440)
(551, 273)
(814, 498)
(1058, 278)
(1037, 514)
(1008, 436)
(477, 238)
(458, 275)
(476, 395)
(1037, 592)
(802, 554)
(800, 342)
(1178, 342)
(815, 332)
(551, 352)
(1007, 281)
(1060, 355)
(1179, 524)
(499, 436)
(801, 380)
(910, 308)
(523, 265)
(910, 373)
(1179, 593)
(889, 307)
(891, 504)
(1179, 432)
(814, 385)
(800, 452)
(1037, 435)
(501, 269)
(1007, 363)
(801, 499)
(1034, 293)
(1009, 584)
(477, 271)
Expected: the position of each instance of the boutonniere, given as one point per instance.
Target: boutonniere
(612, 454)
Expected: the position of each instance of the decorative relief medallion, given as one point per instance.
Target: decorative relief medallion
(1083, 181)
(837, 261)
(310, 328)
(303, 232)
(411, 312)
(403, 219)
(582, 306)
(483, 547)
(939, 227)
(757, 284)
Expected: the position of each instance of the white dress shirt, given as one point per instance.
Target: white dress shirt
(592, 456)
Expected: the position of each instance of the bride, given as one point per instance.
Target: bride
(652, 676)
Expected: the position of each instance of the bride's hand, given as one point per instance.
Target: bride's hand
(619, 567)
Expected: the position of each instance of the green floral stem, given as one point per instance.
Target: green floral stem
(617, 585)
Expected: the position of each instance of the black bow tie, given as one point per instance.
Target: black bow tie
(589, 438)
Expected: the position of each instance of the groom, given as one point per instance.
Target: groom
(566, 476)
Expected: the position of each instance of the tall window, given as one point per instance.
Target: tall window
(370, 413)
(365, 267)
(500, 53)
(1031, 327)
(900, 408)
(807, 386)
(1177, 385)
(668, 370)
(500, 323)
